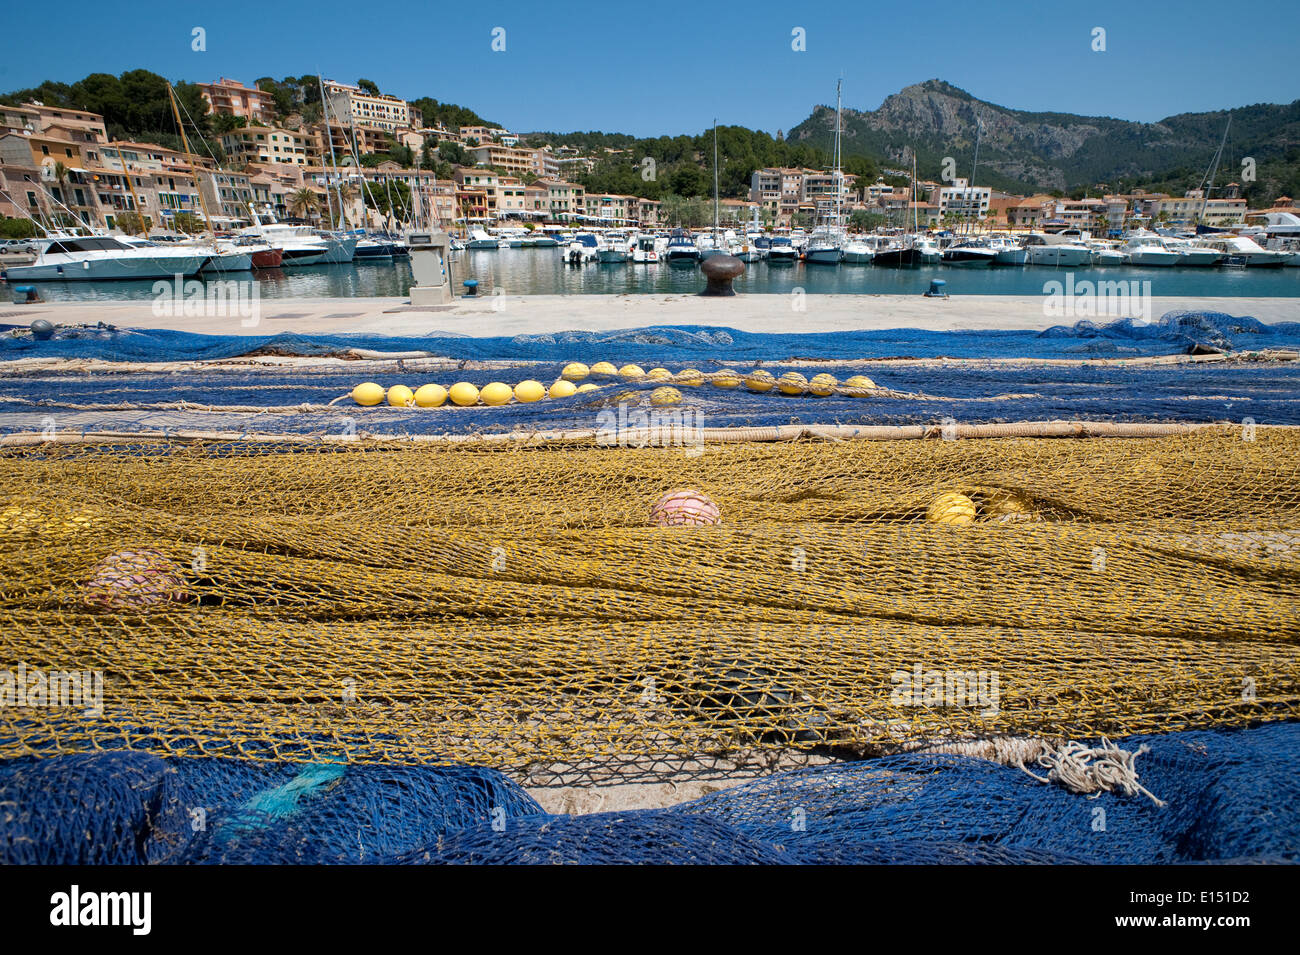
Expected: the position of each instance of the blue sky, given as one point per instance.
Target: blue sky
(666, 67)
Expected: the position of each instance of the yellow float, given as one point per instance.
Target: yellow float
(463, 394)
(368, 394)
(430, 396)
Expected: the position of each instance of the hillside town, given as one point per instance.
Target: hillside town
(57, 162)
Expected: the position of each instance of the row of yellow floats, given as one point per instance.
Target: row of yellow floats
(463, 394)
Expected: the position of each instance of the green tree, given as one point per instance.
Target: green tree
(304, 204)
(189, 223)
(369, 86)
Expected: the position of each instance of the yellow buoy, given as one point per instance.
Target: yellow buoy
(860, 381)
(368, 394)
(430, 396)
(528, 391)
(603, 369)
(823, 385)
(631, 371)
(665, 396)
(562, 389)
(496, 393)
(792, 383)
(588, 387)
(760, 380)
(400, 396)
(951, 508)
(1007, 506)
(659, 374)
(691, 377)
(726, 379)
(575, 371)
(464, 394)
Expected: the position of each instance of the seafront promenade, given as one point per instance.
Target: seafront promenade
(541, 314)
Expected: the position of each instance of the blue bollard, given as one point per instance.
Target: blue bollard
(937, 289)
(471, 287)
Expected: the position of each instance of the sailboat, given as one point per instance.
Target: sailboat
(972, 252)
(225, 257)
(904, 255)
(826, 244)
(716, 244)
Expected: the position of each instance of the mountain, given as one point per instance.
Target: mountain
(1023, 152)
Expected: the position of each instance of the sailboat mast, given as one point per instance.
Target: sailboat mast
(1214, 169)
(144, 229)
(970, 186)
(838, 177)
(715, 181)
(190, 159)
(325, 115)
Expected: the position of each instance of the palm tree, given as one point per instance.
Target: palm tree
(347, 195)
(304, 203)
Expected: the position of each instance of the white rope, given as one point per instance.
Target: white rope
(1103, 768)
(1073, 766)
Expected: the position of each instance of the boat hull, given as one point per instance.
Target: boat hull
(109, 270)
(897, 258)
(267, 259)
(229, 262)
(829, 256)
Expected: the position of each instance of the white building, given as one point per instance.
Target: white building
(963, 200)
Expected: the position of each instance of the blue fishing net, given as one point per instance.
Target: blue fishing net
(969, 393)
(1229, 796)
(1175, 332)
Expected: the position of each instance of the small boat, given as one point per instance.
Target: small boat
(1247, 249)
(928, 251)
(825, 246)
(105, 257)
(753, 248)
(1056, 252)
(1106, 253)
(645, 253)
(479, 240)
(1149, 250)
(782, 251)
(972, 253)
(1009, 251)
(583, 249)
(615, 249)
(682, 248)
(861, 250)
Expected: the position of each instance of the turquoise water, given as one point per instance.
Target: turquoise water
(543, 272)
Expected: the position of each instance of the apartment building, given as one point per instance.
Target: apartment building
(270, 144)
(349, 105)
(232, 98)
(962, 200)
(565, 200)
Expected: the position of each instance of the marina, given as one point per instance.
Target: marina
(545, 271)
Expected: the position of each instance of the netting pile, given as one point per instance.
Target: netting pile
(1229, 797)
(510, 607)
(1176, 331)
(244, 400)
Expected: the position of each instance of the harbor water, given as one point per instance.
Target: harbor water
(544, 272)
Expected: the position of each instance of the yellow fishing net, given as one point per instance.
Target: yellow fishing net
(510, 606)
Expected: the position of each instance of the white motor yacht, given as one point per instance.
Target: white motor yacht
(1057, 252)
(1240, 250)
(106, 257)
(644, 251)
(480, 240)
(1147, 250)
(972, 253)
(1193, 253)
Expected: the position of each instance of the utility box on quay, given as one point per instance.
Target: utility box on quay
(431, 266)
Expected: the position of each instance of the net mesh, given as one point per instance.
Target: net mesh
(508, 606)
